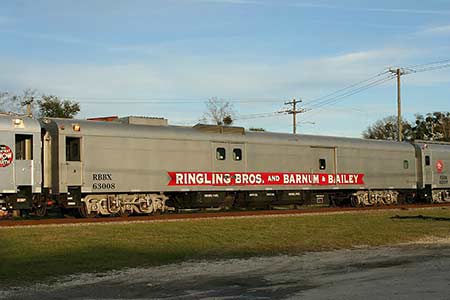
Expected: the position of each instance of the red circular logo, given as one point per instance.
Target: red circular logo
(6, 156)
(439, 166)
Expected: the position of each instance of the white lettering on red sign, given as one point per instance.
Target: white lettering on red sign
(264, 178)
(6, 156)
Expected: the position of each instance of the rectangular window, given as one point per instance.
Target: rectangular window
(427, 160)
(220, 154)
(73, 147)
(405, 164)
(24, 147)
(237, 154)
(322, 164)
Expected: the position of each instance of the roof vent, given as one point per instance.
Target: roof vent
(153, 121)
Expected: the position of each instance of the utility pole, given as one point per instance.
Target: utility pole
(28, 104)
(399, 72)
(294, 113)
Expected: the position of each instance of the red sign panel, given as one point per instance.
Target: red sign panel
(257, 178)
(439, 166)
(6, 156)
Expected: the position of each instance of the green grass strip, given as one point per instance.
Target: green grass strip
(42, 253)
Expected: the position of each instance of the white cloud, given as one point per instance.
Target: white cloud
(199, 78)
(332, 7)
(187, 76)
(437, 30)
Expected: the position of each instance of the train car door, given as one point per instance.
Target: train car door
(23, 166)
(72, 168)
(324, 160)
(427, 167)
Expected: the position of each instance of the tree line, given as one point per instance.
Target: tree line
(434, 126)
(40, 105)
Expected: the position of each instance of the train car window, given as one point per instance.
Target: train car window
(427, 160)
(405, 164)
(24, 147)
(220, 154)
(73, 146)
(237, 154)
(322, 164)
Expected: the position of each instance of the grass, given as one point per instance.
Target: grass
(31, 254)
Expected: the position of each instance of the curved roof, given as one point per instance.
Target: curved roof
(116, 129)
(26, 124)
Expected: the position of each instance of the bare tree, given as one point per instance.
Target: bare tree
(12, 103)
(219, 112)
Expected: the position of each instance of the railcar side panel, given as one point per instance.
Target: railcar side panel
(120, 164)
(383, 169)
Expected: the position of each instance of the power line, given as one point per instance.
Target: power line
(349, 93)
(432, 68)
(108, 101)
(444, 61)
(357, 87)
(334, 101)
(293, 111)
(346, 88)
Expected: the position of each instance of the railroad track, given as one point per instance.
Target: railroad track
(206, 215)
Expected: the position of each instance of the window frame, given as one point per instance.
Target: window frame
(406, 164)
(21, 154)
(427, 160)
(322, 164)
(70, 157)
(218, 152)
(236, 154)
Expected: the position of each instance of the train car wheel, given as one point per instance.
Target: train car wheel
(83, 212)
(41, 211)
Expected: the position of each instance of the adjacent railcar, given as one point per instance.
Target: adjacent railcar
(20, 163)
(433, 170)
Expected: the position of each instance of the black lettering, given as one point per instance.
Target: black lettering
(102, 177)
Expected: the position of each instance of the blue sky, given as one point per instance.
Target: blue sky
(165, 58)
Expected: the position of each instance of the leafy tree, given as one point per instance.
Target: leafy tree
(51, 106)
(386, 129)
(433, 126)
(219, 112)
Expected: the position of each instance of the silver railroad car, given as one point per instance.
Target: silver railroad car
(20, 162)
(433, 170)
(112, 168)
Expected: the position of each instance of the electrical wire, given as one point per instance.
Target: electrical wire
(444, 61)
(108, 101)
(339, 97)
(439, 67)
(346, 88)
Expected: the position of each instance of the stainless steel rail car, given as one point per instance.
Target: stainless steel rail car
(20, 162)
(112, 168)
(433, 170)
(109, 168)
